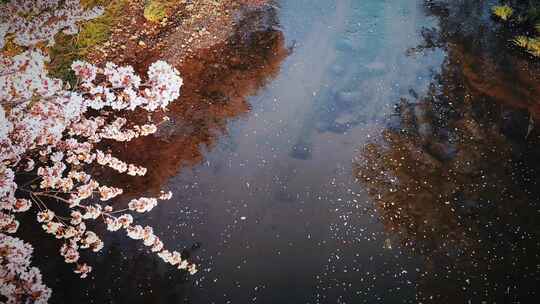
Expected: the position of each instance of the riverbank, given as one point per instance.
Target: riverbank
(186, 28)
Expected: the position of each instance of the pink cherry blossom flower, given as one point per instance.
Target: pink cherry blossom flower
(83, 270)
(45, 216)
(142, 204)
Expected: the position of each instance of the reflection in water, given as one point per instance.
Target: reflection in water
(491, 65)
(454, 176)
(217, 82)
(364, 71)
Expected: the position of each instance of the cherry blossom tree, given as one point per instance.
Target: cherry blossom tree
(53, 130)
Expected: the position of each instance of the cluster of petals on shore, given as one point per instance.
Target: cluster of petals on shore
(51, 130)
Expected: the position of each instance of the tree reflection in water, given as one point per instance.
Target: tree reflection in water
(217, 82)
(454, 176)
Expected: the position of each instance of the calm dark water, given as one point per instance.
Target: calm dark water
(389, 156)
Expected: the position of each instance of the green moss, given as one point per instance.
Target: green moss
(91, 33)
(62, 54)
(97, 31)
(156, 10)
(504, 12)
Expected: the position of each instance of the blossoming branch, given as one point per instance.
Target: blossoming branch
(53, 131)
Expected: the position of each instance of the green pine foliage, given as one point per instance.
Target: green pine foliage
(527, 17)
(504, 12)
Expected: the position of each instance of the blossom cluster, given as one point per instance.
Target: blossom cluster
(76, 236)
(65, 139)
(20, 283)
(47, 129)
(124, 89)
(37, 119)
